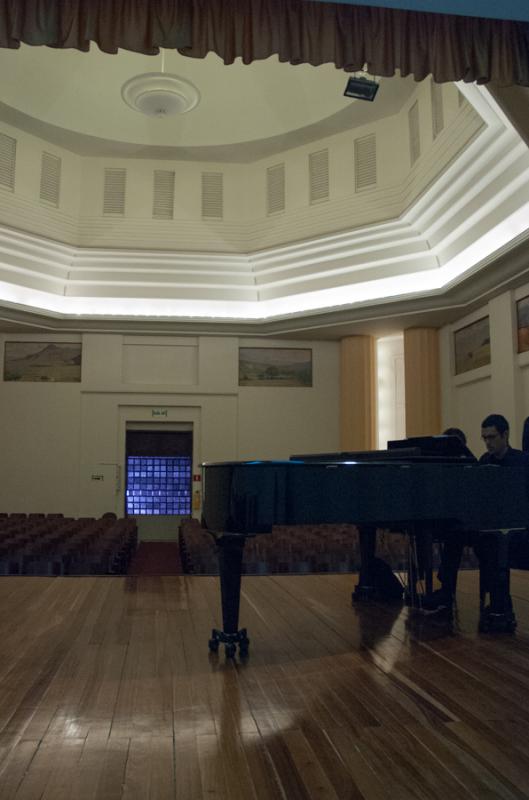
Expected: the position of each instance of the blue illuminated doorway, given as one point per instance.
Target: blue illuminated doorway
(158, 473)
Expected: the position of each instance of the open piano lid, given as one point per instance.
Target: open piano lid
(441, 446)
(415, 448)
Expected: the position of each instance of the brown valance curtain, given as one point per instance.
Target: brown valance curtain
(449, 47)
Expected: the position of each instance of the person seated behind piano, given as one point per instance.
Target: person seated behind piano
(456, 432)
(421, 543)
(495, 434)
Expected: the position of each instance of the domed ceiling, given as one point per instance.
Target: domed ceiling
(244, 111)
(435, 258)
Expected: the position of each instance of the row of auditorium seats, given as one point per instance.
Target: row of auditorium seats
(51, 544)
(299, 549)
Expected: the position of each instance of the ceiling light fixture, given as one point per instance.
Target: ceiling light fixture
(160, 94)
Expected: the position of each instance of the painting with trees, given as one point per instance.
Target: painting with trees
(275, 366)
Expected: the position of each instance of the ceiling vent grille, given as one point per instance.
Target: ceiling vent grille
(319, 176)
(8, 150)
(114, 192)
(275, 189)
(365, 154)
(415, 136)
(212, 195)
(163, 194)
(50, 179)
(438, 121)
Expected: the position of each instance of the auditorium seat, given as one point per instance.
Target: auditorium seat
(299, 549)
(39, 544)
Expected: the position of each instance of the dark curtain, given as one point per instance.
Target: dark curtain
(298, 31)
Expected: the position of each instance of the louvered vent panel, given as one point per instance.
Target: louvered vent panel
(8, 151)
(438, 121)
(319, 176)
(50, 179)
(212, 205)
(365, 162)
(114, 194)
(275, 189)
(163, 199)
(415, 138)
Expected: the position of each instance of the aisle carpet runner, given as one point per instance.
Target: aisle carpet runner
(156, 558)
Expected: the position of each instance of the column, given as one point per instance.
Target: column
(422, 382)
(357, 393)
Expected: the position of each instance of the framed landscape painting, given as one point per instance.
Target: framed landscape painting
(52, 362)
(275, 366)
(472, 346)
(522, 312)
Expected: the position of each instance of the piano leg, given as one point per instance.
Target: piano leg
(420, 567)
(230, 550)
(365, 588)
(494, 580)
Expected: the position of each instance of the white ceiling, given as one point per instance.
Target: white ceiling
(246, 111)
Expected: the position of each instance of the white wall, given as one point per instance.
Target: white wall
(502, 387)
(55, 436)
(276, 423)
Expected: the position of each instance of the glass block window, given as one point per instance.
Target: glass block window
(158, 485)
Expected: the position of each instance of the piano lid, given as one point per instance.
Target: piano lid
(442, 445)
(413, 449)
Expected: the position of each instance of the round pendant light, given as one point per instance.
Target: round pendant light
(160, 94)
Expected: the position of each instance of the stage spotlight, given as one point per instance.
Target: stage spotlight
(361, 88)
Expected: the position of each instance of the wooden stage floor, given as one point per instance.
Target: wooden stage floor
(108, 691)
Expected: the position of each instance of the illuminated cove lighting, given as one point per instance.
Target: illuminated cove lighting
(375, 291)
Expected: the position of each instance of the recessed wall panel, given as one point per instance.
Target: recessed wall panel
(160, 364)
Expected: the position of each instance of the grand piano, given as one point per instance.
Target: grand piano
(414, 486)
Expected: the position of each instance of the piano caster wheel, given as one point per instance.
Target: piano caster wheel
(230, 642)
(215, 640)
(497, 623)
(244, 644)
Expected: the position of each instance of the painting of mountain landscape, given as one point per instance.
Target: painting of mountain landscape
(522, 308)
(472, 346)
(53, 362)
(274, 366)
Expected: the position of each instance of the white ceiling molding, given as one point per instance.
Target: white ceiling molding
(319, 176)
(365, 161)
(50, 179)
(475, 211)
(275, 189)
(163, 194)
(114, 191)
(212, 195)
(414, 133)
(8, 152)
(436, 96)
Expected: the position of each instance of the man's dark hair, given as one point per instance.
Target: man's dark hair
(496, 421)
(456, 432)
